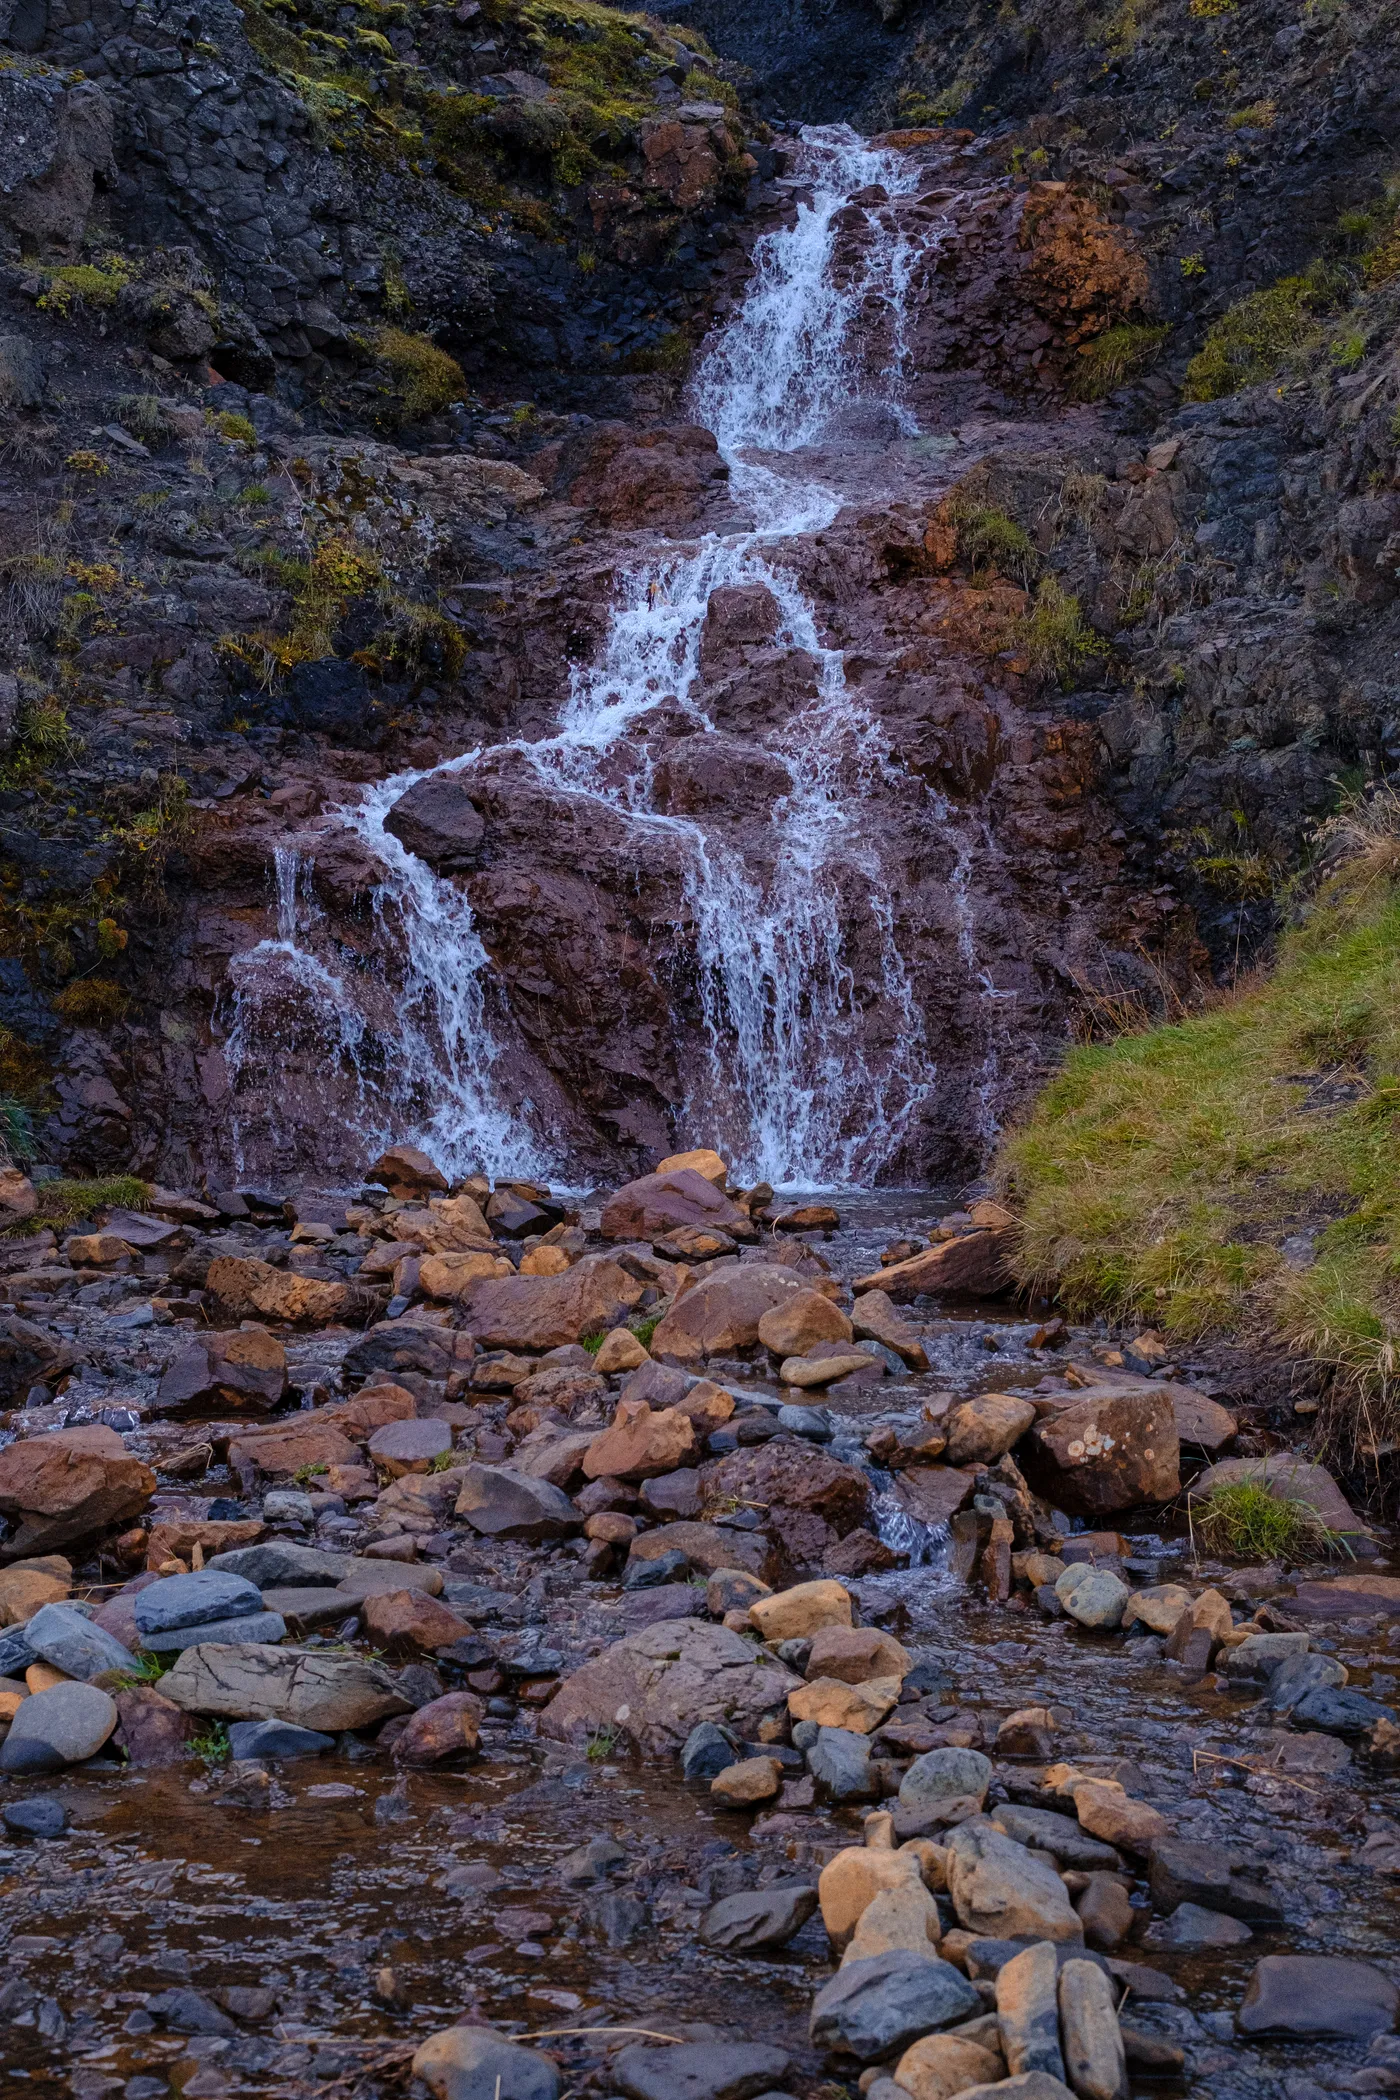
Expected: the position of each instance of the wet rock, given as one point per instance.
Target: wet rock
(1299, 1676)
(504, 1504)
(246, 1368)
(62, 1635)
(276, 1740)
(1318, 1994)
(1340, 1712)
(1092, 1596)
(875, 1319)
(1157, 1608)
(871, 2008)
(640, 1444)
(855, 1708)
(198, 1599)
(985, 1427)
(657, 1685)
(475, 2063)
(443, 1728)
(1093, 2045)
(719, 1315)
(1028, 2017)
(1106, 1453)
(408, 1621)
(1066, 1842)
(1190, 1926)
(940, 2066)
(546, 1312)
(856, 1654)
(753, 1922)
(1262, 1654)
(708, 1547)
(941, 1784)
(1105, 1912)
(655, 1574)
(706, 1752)
(58, 1727)
(745, 1784)
(590, 1862)
(802, 1319)
(976, 1265)
(406, 1172)
(1213, 1878)
(43, 1817)
(325, 1692)
(841, 1765)
(152, 1730)
(802, 1611)
(67, 1486)
(189, 2012)
(1001, 1890)
(699, 2070)
(657, 1203)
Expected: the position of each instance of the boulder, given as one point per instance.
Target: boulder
(438, 822)
(245, 1370)
(976, 1265)
(710, 2070)
(871, 2008)
(198, 1599)
(67, 1486)
(547, 1312)
(793, 1614)
(1028, 2015)
(855, 1654)
(802, 1319)
(754, 1922)
(407, 1173)
(875, 1318)
(66, 1638)
(1002, 1891)
(1091, 1595)
(1213, 1878)
(719, 1315)
(933, 1494)
(476, 2063)
(655, 1687)
(1106, 1453)
(504, 1504)
(747, 1782)
(58, 1727)
(1318, 1994)
(945, 1779)
(1094, 2056)
(940, 2066)
(707, 1547)
(151, 1729)
(313, 1690)
(244, 1286)
(445, 1727)
(811, 1498)
(448, 1277)
(1292, 1479)
(985, 1427)
(657, 1203)
(902, 1920)
(850, 1883)
(409, 1620)
(410, 1446)
(641, 1443)
(27, 1585)
(275, 1740)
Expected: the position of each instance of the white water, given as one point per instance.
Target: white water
(800, 1081)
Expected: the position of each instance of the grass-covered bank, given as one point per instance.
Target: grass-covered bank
(1239, 1171)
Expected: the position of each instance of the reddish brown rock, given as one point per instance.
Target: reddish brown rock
(546, 1312)
(985, 1427)
(658, 1203)
(30, 1584)
(446, 1727)
(1106, 1454)
(406, 1172)
(976, 1265)
(1351, 1596)
(152, 1730)
(278, 1452)
(67, 1486)
(410, 1620)
(720, 1314)
(640, 1444)
(855, 1654)
(684, 161)
(246, 1286)
(812, 1499)
(452, 1276)
(243, 1369)
(933, 1494)
(175, 1538)
(708, 1547)
(802, 1318)
(661, 477)
(874, 1319)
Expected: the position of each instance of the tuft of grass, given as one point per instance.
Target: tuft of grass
(601, 1745)
(424, 379)
(16, 1131)
(1115, 357)
(1259, 116)
(64, 1203)
(1251, 1520)
(991, 543)
(91, 1002)
(1055, 635)
(144, 1668)
(1260, 333)
(645, 1329)
(594, 1342)
(143, 416)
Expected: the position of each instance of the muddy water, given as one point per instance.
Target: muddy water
(369, 1909)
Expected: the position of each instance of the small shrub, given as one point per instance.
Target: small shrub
(237, 429)
(601, 1745)
(1116, 356)
(91, 1002)
(1349, 350)
(670, 353)
(1259, 116)
(1055, 634)
(143, 416)
(425, 379)
(45, 739)
(63, 1203)
(85, 461)
(1210, 10)
(256, 496)
(1257, 335)
(211, 1746)
(1250, 1519)
(1243, 876)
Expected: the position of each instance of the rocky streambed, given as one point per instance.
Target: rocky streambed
(579, 1706)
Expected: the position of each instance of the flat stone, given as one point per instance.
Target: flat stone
(409, 1447)
(756, 1920)
(43, 1817)
(374, 1578)
(1318, 1994)
(1094, 2057)
(475, 2063)
(1340, 1711)
(279, 1562)
(198, 1599)
(871, 2008)
(1001, 1890)
(808, 1371)
(1214, 1878)
(655, 1686)
(504, 1504)
(58, 1727)
(309, 1610)
(1190, 1926)
(262, 1626)
(276, 1739)
(699, 2070)
(856, 1708)
(312, 1689)
(62, 1635)
(1066, 1841)
(1351, 1596)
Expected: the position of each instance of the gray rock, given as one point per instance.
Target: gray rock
(674, 1600)
(313, 1690)
(58, 1727)
(651, 1574)
(288, 1506)
(475, 2063)
(201, 1599)
(308, 1610)
(277, 1563)
(1340, 1711)
(503, 1504)
(22, 374)
(262, 1626)
(1001, 1889)
(43, 1817)
(1028, 2016)
(1318, 1994)
(616, 1917)
(1061, 1837)
(1190, 1926)
(940, 1776)
(62, 1635)
(761, 1918)
(1261, 1654)
(190, 2012)
(839, 1761)
(277, 1739)
(1030, 2085)
(15, 1652)
(1093, 1596)
(1294, 1679)
(1214, 1878)
(699, 2070)
(872, 2008)
(707, 1752)
(589, 1863)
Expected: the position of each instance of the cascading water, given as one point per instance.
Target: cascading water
(798, 1079)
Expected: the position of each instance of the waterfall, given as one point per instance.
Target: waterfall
(796, 1078)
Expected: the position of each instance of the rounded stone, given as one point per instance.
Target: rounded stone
(58, 1727)
(476, 2063)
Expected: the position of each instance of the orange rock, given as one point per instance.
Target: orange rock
(67, 1485)
(443, 1728)
(175, 1538)
(641, 1444)
(410, 1619)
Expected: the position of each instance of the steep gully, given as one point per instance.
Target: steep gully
(804, 1071)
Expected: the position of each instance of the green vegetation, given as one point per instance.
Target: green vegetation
(145, 419)
(45, 739)
(1260, 333)
(990, 542)
(1117, 356)
(594, 1342)
(1055, 635)
(601, 1745)
(66, 1203)
(144, 1668)
(1160, 1173)
(85, 284)
(211, 1745)
(91, 1002)
(1253, 1521)
(16, 1130)
(424, 379)
(237, 429)
(645, 1328)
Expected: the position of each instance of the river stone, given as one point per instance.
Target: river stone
(1214, 1878)
(850, 1883)
(875, 1319)
(503, 1504)
(940, 2066)
(719, 1316)
(855, 1654)
(657, 1685)
(442, 1728)
(62, 1635)
(871, 2008)
(58, 1727)
(937, 1781)
(548, 1312)
(1190, 1926)
(1001, 1890)
(373, 1578)
(759, 1919)
(1094, 2056)
(43, 1817)
(1291, 1478)
(29, 1584)
(1339, 1711)
(276, 1739)
(476, 2063)
(1261, 1654)
(410, 1446)
(985, 1427)
(1106, 1453)
(1353, 1596)
(1028, 2085)
(1318, 1994)
(840, 1763)
(152, 1730)
(263, 1626)
(699, 2070)
(312, 1690)
(1092, 1595)
(279, 1563)
(802, 1611)
(67, 1485)
(706, 1752)
(1028, 2018)
(706, 1546)
(1157, 1608)
(658, 1203)
(1067, 1844)
(1298, 1677)
(199, 1599)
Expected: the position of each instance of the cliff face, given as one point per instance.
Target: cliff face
(343, 356)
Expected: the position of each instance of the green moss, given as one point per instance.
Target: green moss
(1115, 357)
(1055, 635)
(424, 378)
(237, 429)
(85, 284)
(1259, 334)
(66, 1203)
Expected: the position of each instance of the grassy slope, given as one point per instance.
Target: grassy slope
(1160, 1173)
